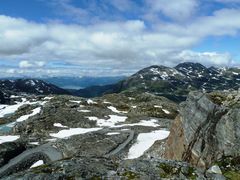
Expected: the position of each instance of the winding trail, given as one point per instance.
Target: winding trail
(45, 152)
(123, 145)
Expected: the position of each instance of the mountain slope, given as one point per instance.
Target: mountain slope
(31, 86)
(174, 83)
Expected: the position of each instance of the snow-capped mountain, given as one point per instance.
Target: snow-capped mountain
(31, 86)
(174, 83)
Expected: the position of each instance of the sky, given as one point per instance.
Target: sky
(115, 37)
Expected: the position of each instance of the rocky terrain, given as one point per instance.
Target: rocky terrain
(173, 83)
(120, 136)
(136, 133)
(206, 132)
(108, 129)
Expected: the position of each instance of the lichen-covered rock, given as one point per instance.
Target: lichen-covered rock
(104, 168)
(207, 129)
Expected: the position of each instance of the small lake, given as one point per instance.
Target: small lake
(5, 128)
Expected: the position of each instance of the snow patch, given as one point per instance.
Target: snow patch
(34, 143)
(38, 163)
(59, 125)
(10, 109)
(73, 131)
(113, 133)
(83, 110)
(93, 118)
(166, 111)
(113, 109)
(114, 119)
(9, 138)
(74, 101)
(48, 98)
(145, 141)
(89, 101)
(147, 123)
(25, 117)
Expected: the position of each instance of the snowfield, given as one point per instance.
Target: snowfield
(25, 117)
(114, 119)
(4, 139)
(145, 141)
(10, 109)
(113, 109)
(73, 131)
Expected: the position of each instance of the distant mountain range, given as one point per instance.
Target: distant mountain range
(74, 82)
(173, 83)
(82, 82)
(29, 86)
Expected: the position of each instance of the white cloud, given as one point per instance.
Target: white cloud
(103, 47)
(207, 58)
(27, 64)
(177, 10)
(222, 22)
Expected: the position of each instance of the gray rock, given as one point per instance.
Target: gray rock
(207, 129)
(104, 168)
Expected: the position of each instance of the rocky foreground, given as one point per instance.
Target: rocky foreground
(121, 136)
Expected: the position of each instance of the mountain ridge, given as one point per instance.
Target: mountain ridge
(29, 86)
(174, 83)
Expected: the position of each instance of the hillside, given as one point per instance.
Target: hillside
(27, 86)
(173, 83)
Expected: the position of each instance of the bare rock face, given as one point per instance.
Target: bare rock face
(207, 129)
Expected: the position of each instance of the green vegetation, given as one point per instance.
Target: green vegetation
(217, 98)
(230, 167)
(170, 171)
(130, 175)
(232, 175)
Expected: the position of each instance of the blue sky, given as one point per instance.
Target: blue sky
(117, 37)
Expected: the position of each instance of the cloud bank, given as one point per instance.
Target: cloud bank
(116, 47)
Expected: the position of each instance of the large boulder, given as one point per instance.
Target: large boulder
(206, 130)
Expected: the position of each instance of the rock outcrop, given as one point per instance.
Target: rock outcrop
(206, 130)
